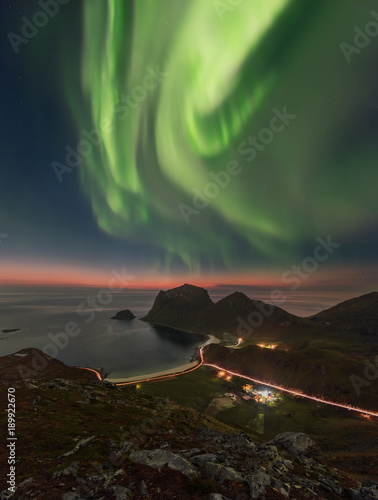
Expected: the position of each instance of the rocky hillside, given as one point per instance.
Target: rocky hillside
(79, 438)
(358, 314)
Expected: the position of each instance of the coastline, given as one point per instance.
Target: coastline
(177, 370)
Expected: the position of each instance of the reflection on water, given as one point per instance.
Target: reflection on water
(121, 348)
(178, 336)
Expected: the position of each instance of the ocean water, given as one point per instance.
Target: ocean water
(121, 348)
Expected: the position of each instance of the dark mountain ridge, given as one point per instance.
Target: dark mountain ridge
(190, 308)
(359, 314)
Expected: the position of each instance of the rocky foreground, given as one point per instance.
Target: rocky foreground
(80, 438)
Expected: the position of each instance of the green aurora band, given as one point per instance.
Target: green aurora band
(223, 74)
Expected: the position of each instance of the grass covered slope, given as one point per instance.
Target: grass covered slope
(90, 439)
(347, 439)
(314, 371)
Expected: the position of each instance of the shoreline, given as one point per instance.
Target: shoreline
(170, 372)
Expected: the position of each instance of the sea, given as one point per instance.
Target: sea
(74, 325)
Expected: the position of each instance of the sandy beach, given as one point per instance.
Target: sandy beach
(177, 370)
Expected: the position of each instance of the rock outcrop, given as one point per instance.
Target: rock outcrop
(126, 314)
(296, 443)
(162, 458)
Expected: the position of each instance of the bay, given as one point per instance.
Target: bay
(121, 348)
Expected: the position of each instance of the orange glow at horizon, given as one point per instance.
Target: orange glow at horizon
(48, 273)
(37, 272)
(14, 273)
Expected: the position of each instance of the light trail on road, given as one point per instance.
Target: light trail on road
(256, 381)
(294, 393)
(149, 379)
(91, 370)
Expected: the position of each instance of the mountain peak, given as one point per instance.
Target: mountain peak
(187, 288)
(174, 306)
(235, 300)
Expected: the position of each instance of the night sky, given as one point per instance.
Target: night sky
(205, 141)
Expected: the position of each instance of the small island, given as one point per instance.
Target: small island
(126, 314)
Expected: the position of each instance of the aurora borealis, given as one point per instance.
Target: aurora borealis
(192, 138)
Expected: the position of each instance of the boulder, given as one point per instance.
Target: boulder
(367, 491)
(72, 495)
(120, 492)
(190, 453)
(330, 485)
(162, 458)
(220, 473)
(258, 482)
(296, 443)
(267, 453)
(203, 459)
(241, 443)
(80, 444)
(283, 488)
